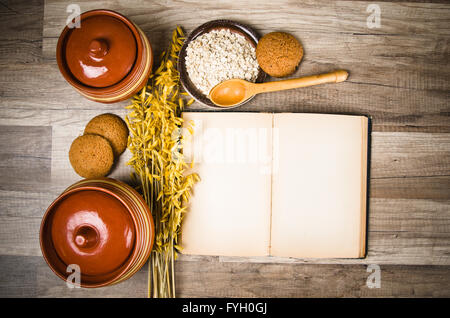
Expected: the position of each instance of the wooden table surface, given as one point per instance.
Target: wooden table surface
(400, 75)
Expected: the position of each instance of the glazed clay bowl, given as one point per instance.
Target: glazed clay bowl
(103, 226)
(107, 59)
(234, 27)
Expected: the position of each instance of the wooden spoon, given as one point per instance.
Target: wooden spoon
(235, 91)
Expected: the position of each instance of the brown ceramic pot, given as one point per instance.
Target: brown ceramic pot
(107, 59)
(102, 225)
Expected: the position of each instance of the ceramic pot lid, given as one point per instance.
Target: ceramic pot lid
(94, 230)
(101, 52)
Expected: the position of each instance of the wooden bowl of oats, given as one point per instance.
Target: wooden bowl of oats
(217, 51)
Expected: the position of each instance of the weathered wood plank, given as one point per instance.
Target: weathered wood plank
(369, 57)
(436, 188)
(17, 7)
(399, 215)
(400, 231)
(397, 78)
(21, 23)
(409, 155)
(18, 276)
(54, 101)
(408, 62)
(20, 236)
(31, 277)
(305, 15)
(38, 93)
(20, 217)
(25, 157)
(210, 278)
(302, 280)
(25, 204)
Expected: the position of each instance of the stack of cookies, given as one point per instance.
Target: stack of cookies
(105, 138)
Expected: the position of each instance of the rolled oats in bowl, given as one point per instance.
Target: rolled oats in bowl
(220, 55)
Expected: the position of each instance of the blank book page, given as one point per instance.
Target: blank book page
(229, 212)
(317, 190)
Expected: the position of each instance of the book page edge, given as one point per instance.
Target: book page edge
(364, 168)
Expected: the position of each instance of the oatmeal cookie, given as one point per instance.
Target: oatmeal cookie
(112, 128)
(279, 53)
(91, 156)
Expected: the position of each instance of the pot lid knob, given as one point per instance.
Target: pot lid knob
(98, 48)
(86, 237)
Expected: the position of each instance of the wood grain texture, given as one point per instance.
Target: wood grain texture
(392, 109)
(400, 231)
(24, 157)
(399, 75)
(435, 188)
(300, 280)
(211, 278)
(21, 28)
(410, 155)
(396, 72)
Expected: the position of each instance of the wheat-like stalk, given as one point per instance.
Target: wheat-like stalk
(154, 120)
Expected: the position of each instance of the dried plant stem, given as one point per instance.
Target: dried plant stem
(159, 167)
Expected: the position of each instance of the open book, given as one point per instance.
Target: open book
(289, 184)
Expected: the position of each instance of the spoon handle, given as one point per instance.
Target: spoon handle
(333, 77)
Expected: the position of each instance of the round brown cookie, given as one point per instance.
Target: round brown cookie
(111, 127)
(91, 156)
(279, 53)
